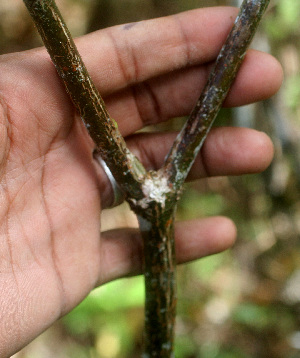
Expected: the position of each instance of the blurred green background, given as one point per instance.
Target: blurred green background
(239, 304)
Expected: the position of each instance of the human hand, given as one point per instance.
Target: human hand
(52, 252)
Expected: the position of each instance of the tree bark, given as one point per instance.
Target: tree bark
(160, 283)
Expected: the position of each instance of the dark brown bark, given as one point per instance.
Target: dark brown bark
(160, 283)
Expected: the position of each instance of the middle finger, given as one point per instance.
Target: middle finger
(174, 95)
(226, 151)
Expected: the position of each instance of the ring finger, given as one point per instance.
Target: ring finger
(226, 151)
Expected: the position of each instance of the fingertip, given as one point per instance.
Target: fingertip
(225, 234)
(256, 151)
(275, 72)
(199, 238)
(221, 234)
(235, 151)
(260, 77)
(263, 153)
(270, 72)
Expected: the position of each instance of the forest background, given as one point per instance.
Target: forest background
(245, 302)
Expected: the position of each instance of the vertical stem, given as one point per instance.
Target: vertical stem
(160, 283)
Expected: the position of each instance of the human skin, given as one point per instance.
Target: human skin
(52, 250)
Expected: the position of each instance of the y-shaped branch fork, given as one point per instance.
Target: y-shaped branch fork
(152, 195)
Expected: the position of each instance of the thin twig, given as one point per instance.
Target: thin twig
(190, 140)
(126, 168)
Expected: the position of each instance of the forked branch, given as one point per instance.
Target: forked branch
(152, 195)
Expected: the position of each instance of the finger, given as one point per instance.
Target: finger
(140, 57)
(226, 151)
(175, 94)
(182, 41)
(122, 253)
(258, 69)
(120, 56)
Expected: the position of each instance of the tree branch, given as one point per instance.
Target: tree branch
(160, 283)
(126, 168)
(190, 140)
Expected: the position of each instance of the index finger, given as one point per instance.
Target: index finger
(123, 55)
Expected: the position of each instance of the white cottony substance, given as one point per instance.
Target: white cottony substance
(155, 189)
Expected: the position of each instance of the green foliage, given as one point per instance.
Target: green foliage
(254, 316)
(285, 18)
(292, 92)
(194, 204)
(185, 346)
(109, 317)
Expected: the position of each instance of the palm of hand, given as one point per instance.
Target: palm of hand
(49, 195)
